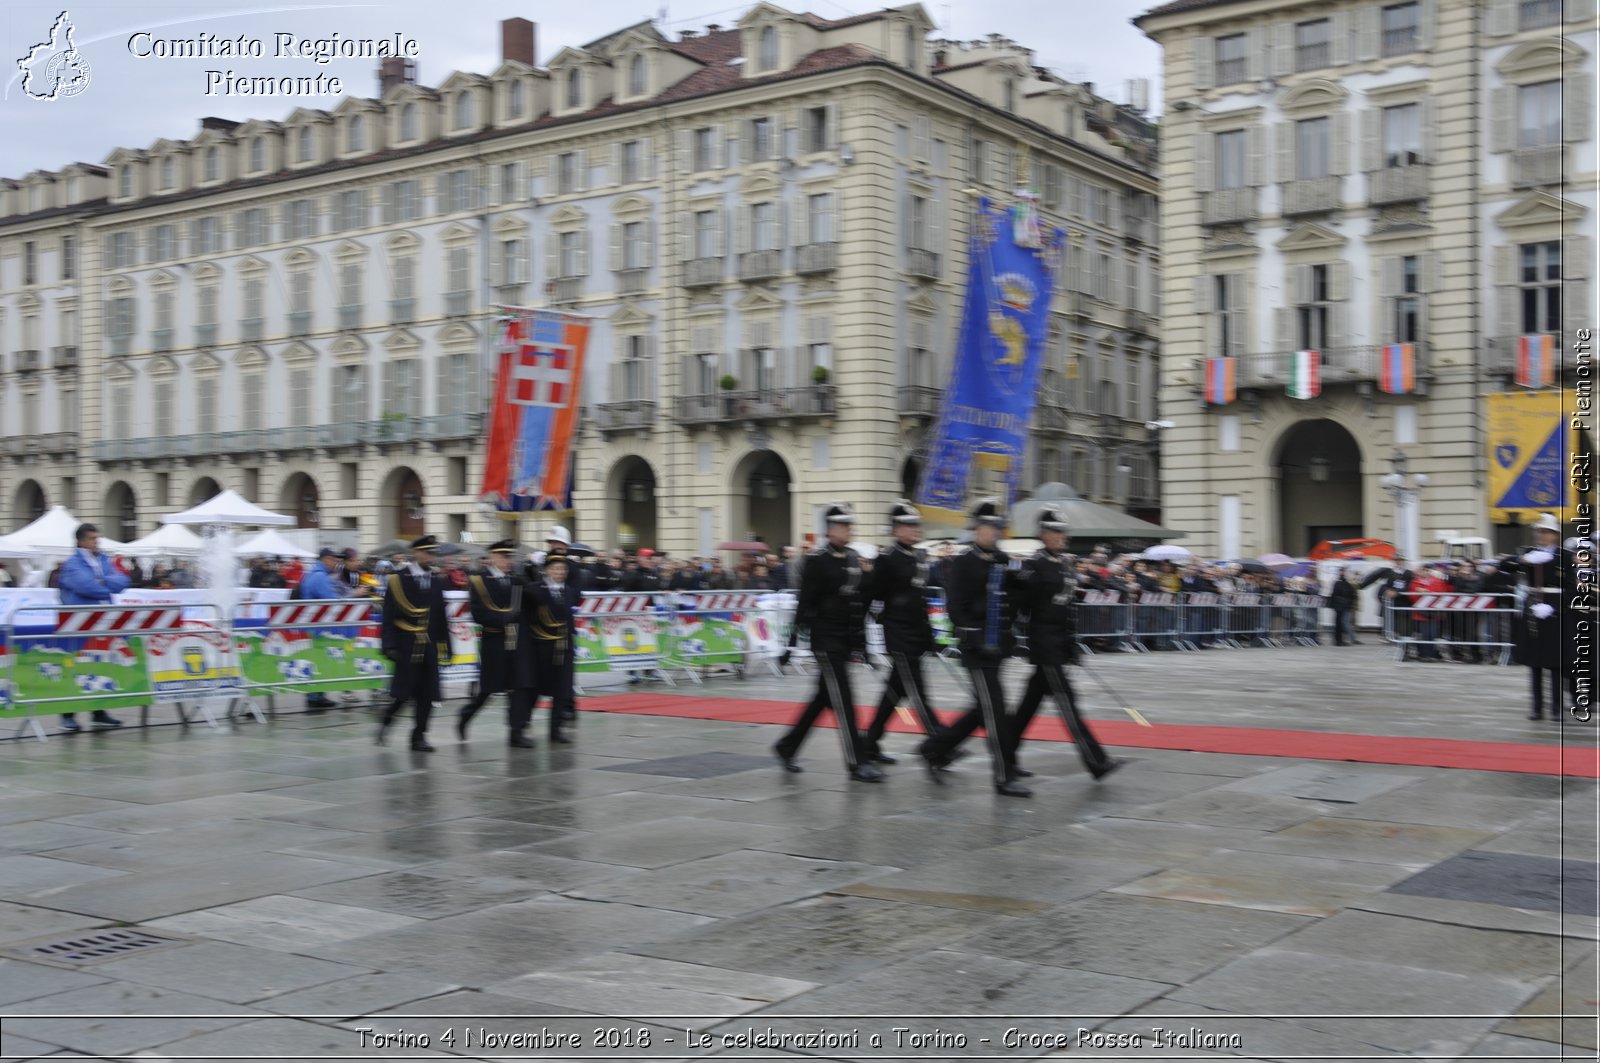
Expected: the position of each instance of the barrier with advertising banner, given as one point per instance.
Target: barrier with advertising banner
(310, 647)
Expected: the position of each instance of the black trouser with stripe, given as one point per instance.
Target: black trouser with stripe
(1052, 679)
(905, 684)
(1537, 674)
(833, 692)
(990, 713)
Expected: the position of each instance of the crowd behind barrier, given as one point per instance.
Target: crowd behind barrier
(1476, 628)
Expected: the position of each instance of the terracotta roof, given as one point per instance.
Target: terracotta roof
(713, 48)
(820, 23)
(720, 77)
(1178, 7)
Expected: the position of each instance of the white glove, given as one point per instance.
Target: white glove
(1538, 557)
(1543, 610)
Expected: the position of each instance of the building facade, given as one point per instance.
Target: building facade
(1344, 176)
(767, 223)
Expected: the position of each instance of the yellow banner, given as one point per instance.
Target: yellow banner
(1528, 450)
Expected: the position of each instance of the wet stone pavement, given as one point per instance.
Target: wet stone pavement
(660, 889)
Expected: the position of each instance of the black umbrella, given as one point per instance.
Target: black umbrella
(392, 547)
(451, 550)
(581, 550)
(1253, 566)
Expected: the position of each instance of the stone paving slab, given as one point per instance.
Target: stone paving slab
(1015, 872)
(1412, 844)
(663, 842)
(434, 842)
(895, 841)
(52, 806)
(625, 809)
(28, 876)
(1293, 885)
(196, 844)
(1483, 916)
(150, 819)
(423, 893)
(275, 1038)
(43, 836)
(235, 973)
(732, 883)
(283, 923)
(1219, 808)
(25, 922)
(90, 1030)
(1336, 783)
(1421, 804)
(363, 994)
(1511, 880)
(695, 765)
(638, 987)
(21, 983)
(1573, 995)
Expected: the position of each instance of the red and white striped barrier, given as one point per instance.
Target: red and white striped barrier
(297, 614)
(1453, 601)
(456, 611)
(97, 621)
(624, 603)
(723, 601)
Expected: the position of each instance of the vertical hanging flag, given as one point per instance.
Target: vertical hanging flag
(1220, 381)
(1397, 369)
(1536, 361)
(1305, 375)
(533, 417)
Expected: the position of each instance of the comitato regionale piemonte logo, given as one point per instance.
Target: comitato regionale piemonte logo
(54, 69)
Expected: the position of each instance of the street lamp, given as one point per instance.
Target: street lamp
(1405, 489)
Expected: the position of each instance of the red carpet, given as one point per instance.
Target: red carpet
(1261, 742)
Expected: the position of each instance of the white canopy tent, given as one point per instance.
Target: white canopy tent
(228, 508)
(50, 537)
(270, 544)
(169, 540)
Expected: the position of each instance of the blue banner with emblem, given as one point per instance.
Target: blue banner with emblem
(977, 445)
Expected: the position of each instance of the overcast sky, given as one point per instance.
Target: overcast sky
(132, 101)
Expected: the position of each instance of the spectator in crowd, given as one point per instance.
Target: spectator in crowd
(89, 578)
(322, 581)
(1342, 599)
(761, 579)
(1428, 581)
(293, 571)
(181, 576)
(716, 578)
(1462, 625)
(645, 578)
(685, 578)
(788, 573)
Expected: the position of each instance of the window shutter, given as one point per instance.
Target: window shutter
(1204, 290)
(238, 229)
(1371, 140)
(583, 253)
(616, 164)
(647, 158)
(1339, 144)
(1236, 310)
(391, 204)
(616, 247)
(720, 244)
(1577, 311)
(1339, 281)
(1427, 16)
(1575, 258)
(832, 124)
(1502, 18)
(1337, 316)
(1283, 317)
(1339, 30)
(1302, 284)
(552, 257)
(1577, 92)
(1255, 45)
(1204, 168)
(1427, 114)
(741, 229)
(686, 237)
(1283, 49)
(1368, 26)
(685, 151)
(1429, 281)
(719, 148)
(1580, 10)
(1205, 49)
(1505, 279)
(1502, 118)
(775, 137)
(1283, 134)
(1389, 274)
(798, 227)
(581, 178)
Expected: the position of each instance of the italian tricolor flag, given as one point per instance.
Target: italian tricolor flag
(1305, 374)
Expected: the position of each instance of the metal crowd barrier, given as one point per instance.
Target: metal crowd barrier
(314, 646)
(1426, 626)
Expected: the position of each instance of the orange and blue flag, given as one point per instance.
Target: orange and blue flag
(533, 418)
(1536, 361)
(1220, 385)
(1397, 369)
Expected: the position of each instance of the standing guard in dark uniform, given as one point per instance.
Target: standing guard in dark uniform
(545, 662)
(414, 627)
(1546, 636)
(978, 596)
(900, 582)
(1047, 603)
(496, 597)
(833, 605)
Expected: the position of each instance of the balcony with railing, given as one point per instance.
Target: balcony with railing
(1311, 195)
(1228, 206)
(625, 415)
(58, 442)
(161, 339)
(300, 323)
(632, 281)
(1141, 321)
(65, 357)
(1339, 365)
(772, 404)
(564, 291)
(350, 316)
(704, 272)
(29, 361)
(920, 400)
(1140, 230)
(812, 259)
(205, 334)
(435, 429)
(510, 294)
(1538, 167)
(457, 304)
(251, 329)
(1398, 184)
(119, 344)
(761, 265)
(1505, 353)
(923, 263)
(401, 310)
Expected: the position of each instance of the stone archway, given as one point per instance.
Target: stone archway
(204, 490)
(1317, 466)
(302, 497)
(761, 504)
(631, 504)
(403, 512)
(121, 513)
(29, 503)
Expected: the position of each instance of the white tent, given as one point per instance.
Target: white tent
(270, 544)
(228, 508)
(51, 536)
(169, 540)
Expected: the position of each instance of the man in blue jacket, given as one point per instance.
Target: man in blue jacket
(320, 583)
(89, 578)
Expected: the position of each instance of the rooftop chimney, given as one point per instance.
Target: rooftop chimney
(222, 125)
(395, 70)
(688, 35)
(516, 40)
(713, 28)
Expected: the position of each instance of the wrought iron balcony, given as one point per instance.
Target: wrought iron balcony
(1398, 184)
(812, 259)
(457, 304)
(1503, 356)
(1312, 195)
(703, 272)
(28, 361)
(919, 400)
(563, 291)
(510, 294)
(624, 415)
(632, 281)
(923, 263)
(300, 323)
(1340, 365)
(777, 404)
(762, 265)
(66, 357)
(1538, 167)
(1228, 206)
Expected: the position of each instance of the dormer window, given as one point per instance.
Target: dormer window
(911, 47)
(408, 122)
(574, 88)
(767, 49)
(258, 154)
(636, 79)
(213, 164)
(74, 191)
(357, 139)
(168, 173)
(519, 99)
(304, 137)
(463, 110)
(125, 181)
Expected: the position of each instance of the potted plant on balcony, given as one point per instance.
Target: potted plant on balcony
(729, 383)
(819, 387)
(389, 427)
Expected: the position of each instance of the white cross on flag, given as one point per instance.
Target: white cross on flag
(541, 376)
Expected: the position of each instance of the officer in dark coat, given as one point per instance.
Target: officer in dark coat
(414, 630)
(1047, 605)
(900, 583)
(978, 595)
(496, 597)
(1547, 630)
(545, 663)
(833, 605)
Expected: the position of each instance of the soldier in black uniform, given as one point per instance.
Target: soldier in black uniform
(978, 587)
(833, 605)
(900, 582)
(414, 628)
(1047, 604)
(496, 597)
(545, 663)
(1546, 635)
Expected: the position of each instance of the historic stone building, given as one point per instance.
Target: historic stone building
(1344, 175)
(767, 222)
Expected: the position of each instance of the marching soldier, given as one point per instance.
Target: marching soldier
(1047, 593)
(977, 595)
(833, 605)
(900, 582)
(414, 627)
(545, 663)
(1546, 637)
(496, 601)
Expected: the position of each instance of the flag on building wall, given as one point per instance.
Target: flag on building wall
(1305, 375)
(534, 414)
(1536, 361)
(1397, 369)
(1220, 381)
